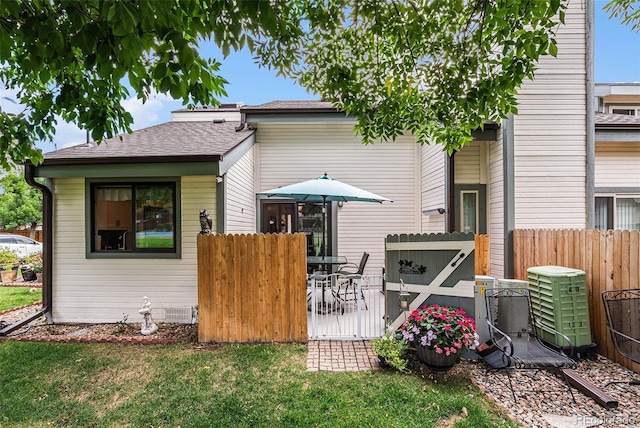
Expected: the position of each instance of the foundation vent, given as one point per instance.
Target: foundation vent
(178, 315)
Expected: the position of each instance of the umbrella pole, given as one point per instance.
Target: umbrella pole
(324, 226)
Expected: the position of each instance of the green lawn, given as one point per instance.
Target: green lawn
(154, 242)
(14, 297)
(106, 385)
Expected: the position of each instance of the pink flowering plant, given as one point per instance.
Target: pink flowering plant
(444, 329)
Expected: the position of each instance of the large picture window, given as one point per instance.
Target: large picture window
(133, 218)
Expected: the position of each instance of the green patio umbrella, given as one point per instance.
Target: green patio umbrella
(323, 189)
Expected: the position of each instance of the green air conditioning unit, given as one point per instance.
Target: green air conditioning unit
(559, 300)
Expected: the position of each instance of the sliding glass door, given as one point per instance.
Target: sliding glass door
(303, 217)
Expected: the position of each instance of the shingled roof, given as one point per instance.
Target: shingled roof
(171, 141)
(294, 106)
(616, 121)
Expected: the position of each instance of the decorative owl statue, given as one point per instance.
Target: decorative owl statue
(205, 222)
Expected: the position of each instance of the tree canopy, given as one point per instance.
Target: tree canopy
(20, 204)
(437, 68)
(628, 11)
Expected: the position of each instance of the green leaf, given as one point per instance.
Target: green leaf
(553, 48)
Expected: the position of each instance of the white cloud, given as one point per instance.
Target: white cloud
(69, 134)
(157, 109)
(9, 101)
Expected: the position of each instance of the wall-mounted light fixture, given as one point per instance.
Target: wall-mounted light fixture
(219, 179)
(340, 204)
(403, 297)
(435, 211)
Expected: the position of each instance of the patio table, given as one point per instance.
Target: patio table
(327, 261)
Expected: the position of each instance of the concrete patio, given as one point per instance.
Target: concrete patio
(344, 321)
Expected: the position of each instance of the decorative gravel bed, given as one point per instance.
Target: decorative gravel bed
(532, 409)
(555, 408)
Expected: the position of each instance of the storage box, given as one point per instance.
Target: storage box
(559, 300)
(513, 318)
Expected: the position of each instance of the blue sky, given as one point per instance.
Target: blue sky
(617, 50)
(617, 59)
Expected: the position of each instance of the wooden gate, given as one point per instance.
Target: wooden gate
(251, 288)
(434, 268)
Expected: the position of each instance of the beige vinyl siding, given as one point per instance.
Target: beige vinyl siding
(205, 116)
(240, 196)
(289, 153)
(105, 290)
(495, 207)
(467, 164)
(433, 178)
(617, 164)
(551, 134)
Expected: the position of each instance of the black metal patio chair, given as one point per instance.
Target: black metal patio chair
(622, 308)
(354, 272)
(515, 338)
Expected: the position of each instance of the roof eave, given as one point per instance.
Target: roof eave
(490, 125)
(289, 110)
(621, 127)
(130, 160)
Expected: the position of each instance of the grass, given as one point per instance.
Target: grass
(106, 385)
(14, 297)
(154, 242)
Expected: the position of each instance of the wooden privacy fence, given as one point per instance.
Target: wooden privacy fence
(610, 259)
(252, 288)
(482, 255)
(22, 232)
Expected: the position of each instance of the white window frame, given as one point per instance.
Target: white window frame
(635, 108)
(462, 208)
(615, 198)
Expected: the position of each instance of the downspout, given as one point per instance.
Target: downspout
(47, 253)
(509, 194)
(221, 207)
(451, 193)
(243, 122)
(591, 127)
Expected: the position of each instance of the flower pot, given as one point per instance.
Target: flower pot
(433, 360)
(28, 275)
(9, 275)
(383, 363)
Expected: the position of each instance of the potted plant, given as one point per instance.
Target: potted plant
(8, 273)
(439, 333)
(390, 351)
(8, 259)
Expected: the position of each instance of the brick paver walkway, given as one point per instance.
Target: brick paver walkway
(341, 356)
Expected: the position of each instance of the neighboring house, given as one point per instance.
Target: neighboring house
(617, 167)
(125, 214)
